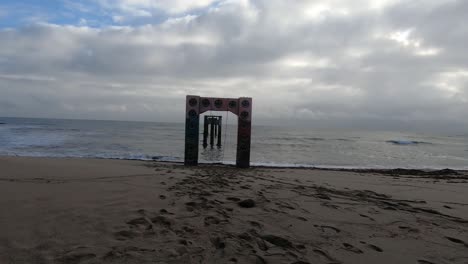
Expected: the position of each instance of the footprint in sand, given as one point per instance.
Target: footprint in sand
(278, 241)
(262, 245)
(300, 247)
(325, 229)
(125, 234)
(142, 211)
(323, 196)
(285, 206)
(374, 247)
(245, 236)
(75, 258)
(248, 203)
(184, 242)
(329, 205)
(255, 224)
(211, 220)
(422, 261)
(409, 229)
(191, 206)
(366, 216)
(456, 240)
(122, 252)
(260, 260)
(352, 248)
(164, 211)
(324, 255)
(162, 221)
(188, 229)
(139, 222)
(218, 243)
(234, 199)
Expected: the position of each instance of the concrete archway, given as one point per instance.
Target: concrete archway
(196, 105)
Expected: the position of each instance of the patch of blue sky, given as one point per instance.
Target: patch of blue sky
(15, 13)
(63, 12)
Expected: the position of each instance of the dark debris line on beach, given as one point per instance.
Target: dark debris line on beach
(433, 174)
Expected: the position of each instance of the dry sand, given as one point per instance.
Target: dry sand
(108, 211)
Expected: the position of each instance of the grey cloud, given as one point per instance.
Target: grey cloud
(337, 68)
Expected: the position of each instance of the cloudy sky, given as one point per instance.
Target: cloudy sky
(400, 63)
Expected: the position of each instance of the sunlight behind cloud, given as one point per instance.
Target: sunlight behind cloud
(453, 83)
(304, 61)
(406, 39)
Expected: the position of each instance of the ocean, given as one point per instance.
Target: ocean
(271, 146)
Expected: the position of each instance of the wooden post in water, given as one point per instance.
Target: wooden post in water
(215, 119)
(212, 131)
(220, 122)
(205, 132)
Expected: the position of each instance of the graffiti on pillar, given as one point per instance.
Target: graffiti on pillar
(196, 105)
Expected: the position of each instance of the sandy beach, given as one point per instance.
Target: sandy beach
(115, 211)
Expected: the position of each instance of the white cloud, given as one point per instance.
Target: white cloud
(147, 8)
(304, 60)
(453, 84)
(170, 6)
(26, 77)
(354, 61)
(405, 39)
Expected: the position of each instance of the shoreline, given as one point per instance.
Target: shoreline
(363, 169)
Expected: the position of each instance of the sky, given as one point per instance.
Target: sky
(388, 64)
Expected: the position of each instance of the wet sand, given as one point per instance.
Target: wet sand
(111, 211)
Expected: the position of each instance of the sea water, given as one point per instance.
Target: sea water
(271, 146)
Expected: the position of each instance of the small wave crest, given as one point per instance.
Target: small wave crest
(312, 139)
(172, 159)
(316, 139)
(406, 142)
(117, 156)
(166, 158)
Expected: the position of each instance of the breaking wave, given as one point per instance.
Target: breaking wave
(406, 142)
